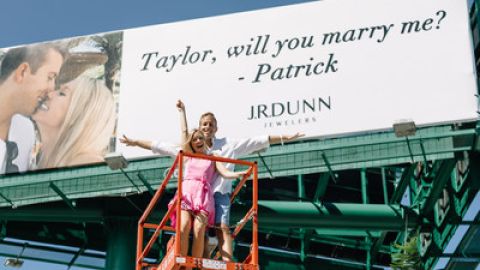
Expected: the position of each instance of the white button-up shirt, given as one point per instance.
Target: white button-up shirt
(22, 133)
(224, 147)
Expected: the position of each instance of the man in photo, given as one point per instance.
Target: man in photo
(27, 75)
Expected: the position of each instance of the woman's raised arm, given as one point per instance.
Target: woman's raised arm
(183, 122)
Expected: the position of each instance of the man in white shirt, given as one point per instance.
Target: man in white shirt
(27, 75)
(222, 188)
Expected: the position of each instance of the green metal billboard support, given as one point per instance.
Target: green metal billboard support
(121, 243)
(363, 174)
(368, 263)
(304, 243)
(285, 214)
(384, 186)
(301, 187)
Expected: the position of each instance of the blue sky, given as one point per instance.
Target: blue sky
(29, 21)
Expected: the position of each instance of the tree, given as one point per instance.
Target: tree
(408, 256)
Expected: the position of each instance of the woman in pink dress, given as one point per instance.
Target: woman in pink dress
(198, 206)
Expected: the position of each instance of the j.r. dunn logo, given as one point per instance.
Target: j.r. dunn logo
(290, 108)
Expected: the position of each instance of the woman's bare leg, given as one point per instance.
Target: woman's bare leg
(199, 226)
(185, 225)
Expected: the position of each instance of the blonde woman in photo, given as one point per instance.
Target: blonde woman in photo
(76, 126)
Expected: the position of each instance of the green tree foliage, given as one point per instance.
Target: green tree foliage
(408, 257)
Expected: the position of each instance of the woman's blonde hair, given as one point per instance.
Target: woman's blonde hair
(187, 146)
(88, 126)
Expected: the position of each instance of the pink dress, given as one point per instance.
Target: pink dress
(197, 195)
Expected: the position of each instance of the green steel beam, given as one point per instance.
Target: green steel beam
(364, 180)
(62, 195)
(378, 243)
(321, 187)
(7, 200)
(304, 235)
(301, 187)
(424, 155)
(371, 150)
(276, 214)
(130, 180)
(430, 134)
(305, 243)
(402, 185)
(332, 215)
(368, 239)
(329, 168)
(265, 165)
(75, 257)
(319, 193)
(50, 214)
(409, 147)
(384, 186)
(441, 179)
(368, 259)
(348, 232)
(121, 244)
(145, 183)
(442, 237)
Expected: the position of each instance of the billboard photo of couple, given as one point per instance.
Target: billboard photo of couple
(58, 102)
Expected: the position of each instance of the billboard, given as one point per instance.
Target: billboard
(322, 68)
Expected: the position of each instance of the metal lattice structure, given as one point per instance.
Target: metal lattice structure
(431, 166)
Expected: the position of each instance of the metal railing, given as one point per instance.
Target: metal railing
(173, 259)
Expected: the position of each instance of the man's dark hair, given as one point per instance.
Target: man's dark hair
(34, 55)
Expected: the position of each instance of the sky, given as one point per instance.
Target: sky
(30, 21)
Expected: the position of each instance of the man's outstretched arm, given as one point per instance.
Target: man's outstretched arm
(250, 145)
(276, 139)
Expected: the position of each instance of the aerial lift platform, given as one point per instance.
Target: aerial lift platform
(172, 259)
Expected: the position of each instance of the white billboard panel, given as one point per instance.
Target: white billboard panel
(322, 68)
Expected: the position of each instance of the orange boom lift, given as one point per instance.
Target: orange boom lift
(172, 258)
